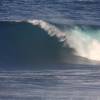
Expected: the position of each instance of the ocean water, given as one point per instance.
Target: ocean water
(49, 50)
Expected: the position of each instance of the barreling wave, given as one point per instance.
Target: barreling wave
(85, 41)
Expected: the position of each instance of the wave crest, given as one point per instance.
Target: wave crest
(51, 29)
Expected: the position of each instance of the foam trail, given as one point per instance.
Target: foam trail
(83, 44)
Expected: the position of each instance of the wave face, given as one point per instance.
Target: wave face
(23, 43)
(36, 41)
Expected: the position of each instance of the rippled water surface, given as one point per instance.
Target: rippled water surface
(58, 11)
(68, 83)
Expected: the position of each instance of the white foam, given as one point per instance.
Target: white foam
(51, 29)
(83, 44)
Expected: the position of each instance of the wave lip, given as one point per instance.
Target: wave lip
(51, 29)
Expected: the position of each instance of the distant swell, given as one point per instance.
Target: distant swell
(85, 41)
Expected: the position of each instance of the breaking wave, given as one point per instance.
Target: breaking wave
(38, 41)
(84, 41)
